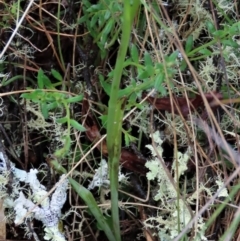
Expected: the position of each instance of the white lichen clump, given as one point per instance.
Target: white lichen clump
(166, 193)
(28, 208)
(101, 177)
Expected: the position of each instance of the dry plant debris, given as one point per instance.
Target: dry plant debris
(179, 95)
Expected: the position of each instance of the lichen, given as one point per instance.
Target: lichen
(176, 212)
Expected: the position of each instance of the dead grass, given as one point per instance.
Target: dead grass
(200, 112)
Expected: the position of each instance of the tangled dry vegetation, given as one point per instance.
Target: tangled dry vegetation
(179, 93)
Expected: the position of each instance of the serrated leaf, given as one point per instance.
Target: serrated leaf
(76, 125)
(56, 74)
(189, 44)
(62, 120)
(75, 99)
(134, 53)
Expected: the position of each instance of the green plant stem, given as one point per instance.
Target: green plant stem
(113, 40)
(220, 208)
(212, 42)
(231, 230)
(89, 200)
(16, 77)
(59, 37)
(68, 117)
(115, 112)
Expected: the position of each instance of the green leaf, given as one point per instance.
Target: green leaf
(150, 70)
(60, 152)
(229, 42)
(101, 20)
(163, 91)
(62, 120)
(134, 53)
(171, 60)
(56, 75)
(183, 65)
(234, 29)
(126, 91)
(189, 44)
(210, 26)
(148, 59)
(75, 99)
(159, 80)
(94, 8)
(33, 96)
(109, 26)
(107, 15)
(128, 138)
(51, 97)
(63, 151)
(220, 33)
(76, 125)
(108, 221)
(142, 74)
(44, 109)
(82, 19)
(94, 20)
(86, 4)
(43, 80)
(40, 79)
(103, 119)
(67, 144)
(205, 52)
(105, 85)
(52, 106)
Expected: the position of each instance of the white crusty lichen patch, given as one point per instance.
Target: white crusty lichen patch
(25, 206)
(176, 213)
(101, 176)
